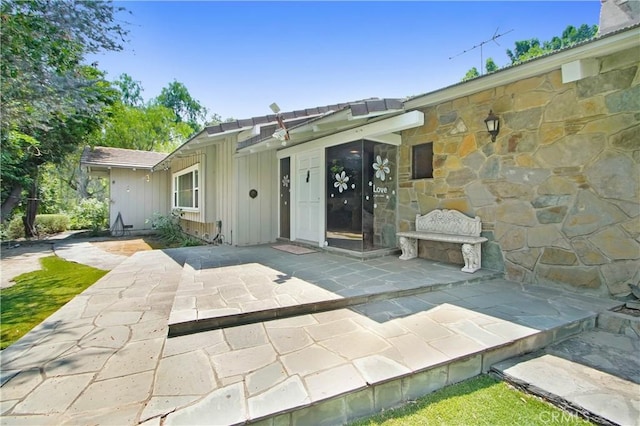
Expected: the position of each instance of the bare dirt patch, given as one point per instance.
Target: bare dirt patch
(24, 256)
(123, 247)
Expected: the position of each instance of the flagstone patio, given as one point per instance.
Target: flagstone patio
(105, 357)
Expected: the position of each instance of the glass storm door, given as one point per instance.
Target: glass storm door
(361, 193)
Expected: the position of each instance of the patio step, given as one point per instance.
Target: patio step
(334, 396)
(595, 374)
(190, 314)
(304, 350)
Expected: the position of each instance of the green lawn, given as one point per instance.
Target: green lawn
(479, 401)
(38, 294)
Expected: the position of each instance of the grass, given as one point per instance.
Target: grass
(482, 400)
(38, 294)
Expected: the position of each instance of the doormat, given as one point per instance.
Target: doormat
(290, 248)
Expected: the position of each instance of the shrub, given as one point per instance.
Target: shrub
(90, 214)
(170, 231)
(49, 224)
(46, 224)
(15, 228)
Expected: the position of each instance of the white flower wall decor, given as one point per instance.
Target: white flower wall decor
(341, 181)
(381, 167)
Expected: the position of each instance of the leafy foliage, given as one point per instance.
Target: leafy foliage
(49, 224)
(528, 49)
(490, 65)
(50, 99)
(146, 128)
(472, 73)
(170, 230)
(130, 90)
(531, 48)
(188, 110)
(45, 42)
(14, 229)
(45, 224)
(63, 186)
(90, 214)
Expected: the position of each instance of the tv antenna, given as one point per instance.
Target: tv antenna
(482, 43)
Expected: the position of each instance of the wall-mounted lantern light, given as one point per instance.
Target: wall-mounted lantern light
(493, 125)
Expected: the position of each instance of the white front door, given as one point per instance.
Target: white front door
(308, 196)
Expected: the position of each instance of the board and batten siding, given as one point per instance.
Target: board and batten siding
(137, 195)
(217, 190)
(257, 217)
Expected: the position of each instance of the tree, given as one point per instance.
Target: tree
(472, 73)
(50, 100)
(146, 128)
(532, 48)
(490, 66)
(522, 49)
(43, 45)
(528, 49)
(176, 97)
(130, 90)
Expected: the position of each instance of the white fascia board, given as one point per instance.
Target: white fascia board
(329, 121)
(255, 130)
(598, 48)
(249, 133)
(350, 117)
(229, 132)
(199, 141)
(380, 129)
(390, 139)
(118, 166)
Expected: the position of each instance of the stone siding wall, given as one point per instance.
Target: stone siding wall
(558, 191)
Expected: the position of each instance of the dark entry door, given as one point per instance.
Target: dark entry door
(285, 198)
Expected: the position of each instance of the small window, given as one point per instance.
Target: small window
(186, 189)
(422, 163)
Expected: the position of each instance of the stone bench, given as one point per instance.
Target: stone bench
(449, 226)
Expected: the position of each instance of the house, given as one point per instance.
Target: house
(265, 178)
(135, 191)
(558, 190)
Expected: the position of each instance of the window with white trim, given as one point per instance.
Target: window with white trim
(186, 189)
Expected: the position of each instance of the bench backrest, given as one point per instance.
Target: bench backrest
(449, 222)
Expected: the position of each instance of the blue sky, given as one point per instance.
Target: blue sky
(237, 58)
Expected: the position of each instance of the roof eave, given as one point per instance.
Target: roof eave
(606, 45)
(349, 121)
(117, 165)
(201, 139)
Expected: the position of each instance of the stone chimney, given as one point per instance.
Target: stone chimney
(616, 14)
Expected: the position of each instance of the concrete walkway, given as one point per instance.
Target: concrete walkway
(104, 358)
(25, 256)
(87, 254)
(94, 360)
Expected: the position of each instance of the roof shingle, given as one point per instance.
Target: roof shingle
(119, 157)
